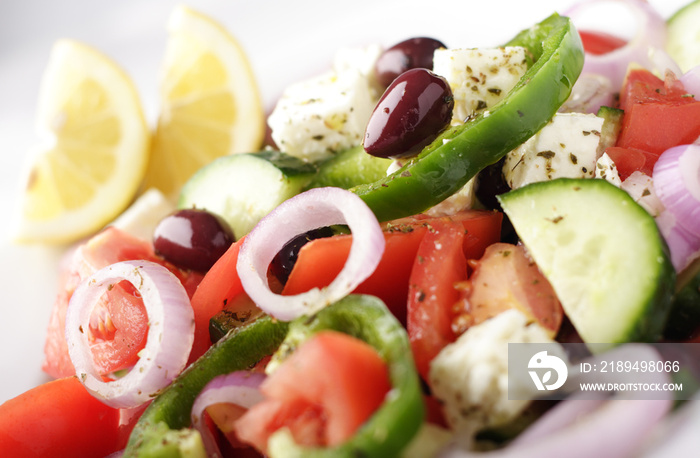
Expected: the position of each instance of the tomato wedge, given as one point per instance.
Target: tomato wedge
(439, 266)
(217, 289)
(320, 260)
(119, 324)
(659, 114)
(504, 278)
(343, 381)
(630, 160)
(59, 419)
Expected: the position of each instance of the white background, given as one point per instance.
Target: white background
(286, 40)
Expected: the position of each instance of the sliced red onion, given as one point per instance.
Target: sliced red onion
(241, 388)
(677, 183)
(645, 48)
(683, 245)
(306, 211)
(583, 428)
(169, 339)
(691, 81)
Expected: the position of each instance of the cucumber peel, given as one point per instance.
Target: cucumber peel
(612, 125)
(243, 188)
(601, 252)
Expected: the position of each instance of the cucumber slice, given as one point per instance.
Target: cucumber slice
(243, 188)
(683, 36)
(601, 252)
(349, 168)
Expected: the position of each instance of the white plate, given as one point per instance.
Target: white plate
(286, 41)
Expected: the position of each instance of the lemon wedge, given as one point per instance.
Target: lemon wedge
(95, 149)
(210, 102)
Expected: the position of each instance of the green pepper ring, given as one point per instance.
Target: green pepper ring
(161, 430)
(460, 152)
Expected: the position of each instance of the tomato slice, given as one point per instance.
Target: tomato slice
(657, 126)
(344, 382)
(629, 160)
(595, 42)
(659, 114)
(320, 260)
(505, 278)
(219, 287)
(59, 419)
(642, 86)
(439, 265)
(119, 324)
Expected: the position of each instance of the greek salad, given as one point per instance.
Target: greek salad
(350, 288)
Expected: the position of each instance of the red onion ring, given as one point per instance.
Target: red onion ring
(645, 47)
(677, 184)
(241, 388)
(169, 340)
(691, 82)
(682, 244)
(585, 428)
(306, 211)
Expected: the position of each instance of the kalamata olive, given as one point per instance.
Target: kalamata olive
(282, 264)
(403, 56)
(490, 182)
(192, 238)
(409, 115)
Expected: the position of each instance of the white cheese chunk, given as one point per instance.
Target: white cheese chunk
(461, 200)
(641, 188)
(479, 78)
(565, 147)
(606, 169)
(362, 60)
(321, 116)
(470, 376)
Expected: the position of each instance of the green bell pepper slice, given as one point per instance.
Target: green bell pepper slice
(162, 430)
(457, 155)
(398, 419)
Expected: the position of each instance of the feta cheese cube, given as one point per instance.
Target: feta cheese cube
(606, 169)
(461, 200)
(362, 60)
(470, 376)
(565, 147)
(321, 116)
(479, 78)
(640, 187)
